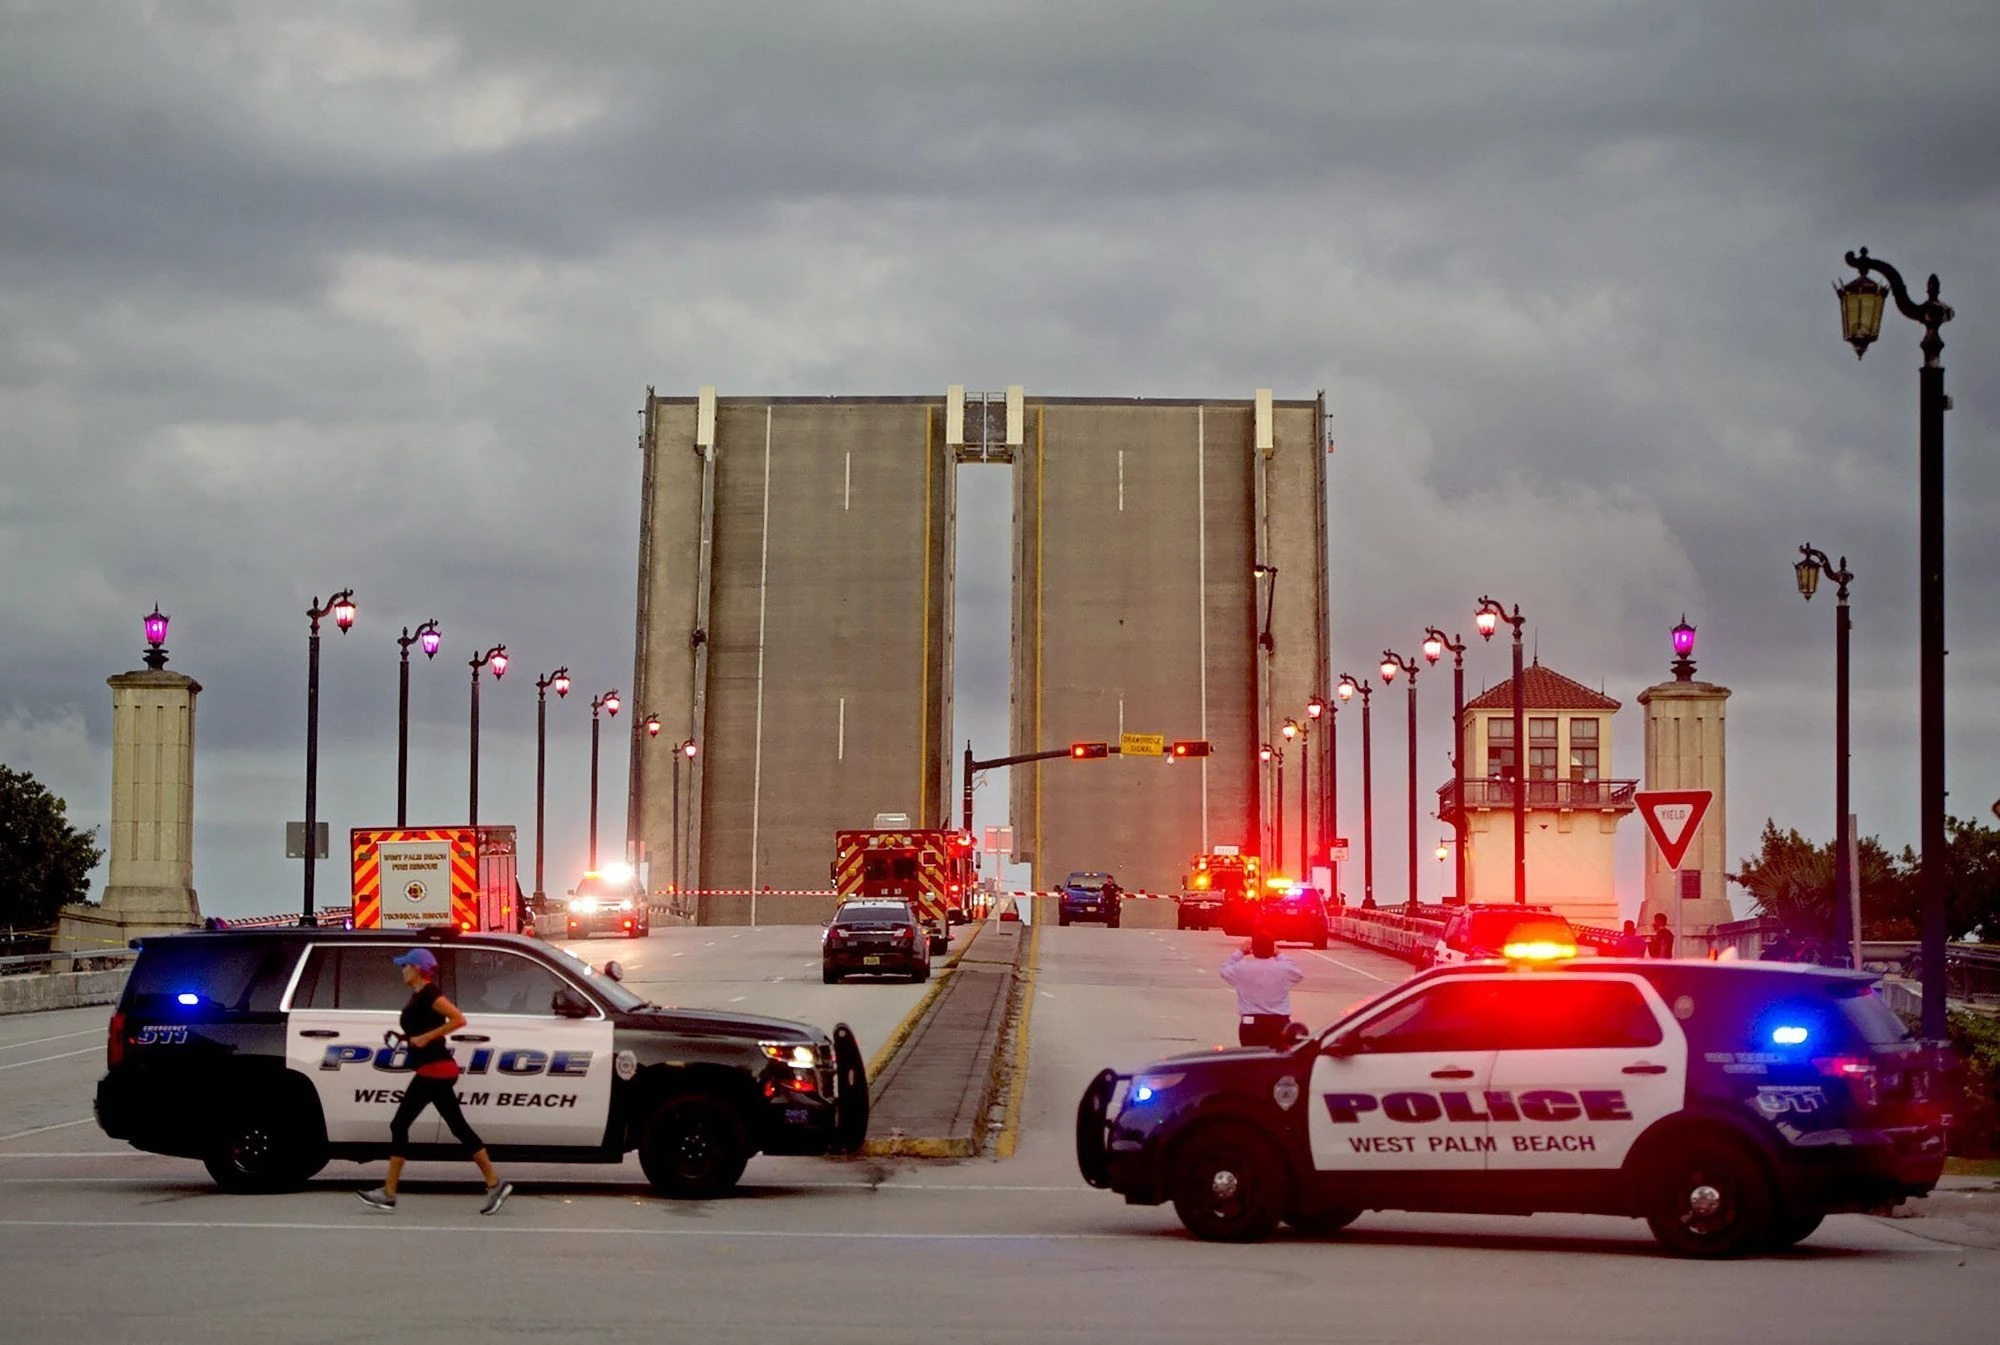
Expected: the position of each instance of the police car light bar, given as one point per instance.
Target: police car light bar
(1538, 950)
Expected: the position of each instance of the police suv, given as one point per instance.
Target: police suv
(264, 1054)
(1730, 1105)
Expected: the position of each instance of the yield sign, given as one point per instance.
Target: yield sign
(1674, 817)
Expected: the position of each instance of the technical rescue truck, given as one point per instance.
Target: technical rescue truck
(931, 868)
(406, 877)
(1237, 877)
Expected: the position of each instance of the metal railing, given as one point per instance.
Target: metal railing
(38, 964)
(1548, 795)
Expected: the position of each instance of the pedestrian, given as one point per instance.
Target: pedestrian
(427, 1020)
(1662, 937)
(1631, 943)
(1263, 978)
(1778, 949)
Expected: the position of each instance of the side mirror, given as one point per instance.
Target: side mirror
(614, 971)
(567, 1005)
(1295, 1032)
(1342, 1046)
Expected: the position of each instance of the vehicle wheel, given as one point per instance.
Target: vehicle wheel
(264, 1149)
(1319, 940)
(850, 1118)
(1090, 1111)
(921, 975)
(694, 1147)
(1225, 1184)
(1320, 1222)
(1711, 1201)
(1789, 1230)
(1062, 918)
(829, 975)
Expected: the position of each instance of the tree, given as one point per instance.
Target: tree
(1971, 882)
(1790, 879)
(45, 863)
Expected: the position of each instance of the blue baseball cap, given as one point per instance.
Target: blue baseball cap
(423, 959)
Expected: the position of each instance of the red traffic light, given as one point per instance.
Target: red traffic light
(1088, 751)
(1191, 747)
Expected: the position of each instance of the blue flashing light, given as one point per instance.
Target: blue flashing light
(187, 997)
(1143, 1093)
(1788, 1036)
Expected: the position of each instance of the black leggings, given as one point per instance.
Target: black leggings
(424, 1091)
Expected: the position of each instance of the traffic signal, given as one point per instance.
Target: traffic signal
(1089, 751)
(1191, 747)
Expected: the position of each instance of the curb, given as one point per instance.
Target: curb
(1016, 1056)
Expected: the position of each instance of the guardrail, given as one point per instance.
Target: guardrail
(38, 964)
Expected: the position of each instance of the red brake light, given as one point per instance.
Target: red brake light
(1858, 1071)
(114, 1042)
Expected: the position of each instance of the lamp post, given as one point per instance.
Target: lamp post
(1276, 757)
(1807, 569)
(1322, 846)
(1488, 618)
(430, 638)
(559, 681)
(1435, 643)
(341, 608)
(1393, 663)
(1269, 572)
(497, 656)
(1294, 729)
(608, 702)
(686, 753)
(1349, 684)
(156, 638)
(1861, 322)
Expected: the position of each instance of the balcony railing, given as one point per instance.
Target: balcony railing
(1608, 796)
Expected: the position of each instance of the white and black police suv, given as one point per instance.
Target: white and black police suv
(263, 1053)
(1730, 1105)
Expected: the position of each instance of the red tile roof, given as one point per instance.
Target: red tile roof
(1542, 689)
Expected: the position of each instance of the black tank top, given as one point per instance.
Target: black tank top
(421, 1015)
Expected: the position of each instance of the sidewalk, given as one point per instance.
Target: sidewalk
(1962, 1210)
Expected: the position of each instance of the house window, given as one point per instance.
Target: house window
(1542, 749)
(1500, 748)
(1583, 761)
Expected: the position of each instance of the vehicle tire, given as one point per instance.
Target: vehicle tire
(1226, 1183)
(1062, 918)
(1111, 924)
(694, 1147)
(829, 975)
(1091, 1155)
(1789, 1230)
(920, 975)
(1710, 1201)
(1318, 1223)
(1319, 939)
(265, 1148)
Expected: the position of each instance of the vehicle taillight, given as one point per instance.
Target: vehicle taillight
(114, 1042)
(1858, 1071)
(906, 931)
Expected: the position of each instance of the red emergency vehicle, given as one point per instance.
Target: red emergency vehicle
(931, 868)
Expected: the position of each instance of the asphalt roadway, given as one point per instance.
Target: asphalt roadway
(100, 1244)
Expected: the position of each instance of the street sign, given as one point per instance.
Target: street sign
(1142, 744)
(1674, 817)
(1340, 850)
(999, 841)
(295, 840)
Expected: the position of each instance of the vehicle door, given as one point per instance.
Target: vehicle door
(1404, 1088)
(1586, 1064)
(345, 998)
(531, 1075)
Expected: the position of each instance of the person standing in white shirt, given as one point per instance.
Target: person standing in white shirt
(1263, 978)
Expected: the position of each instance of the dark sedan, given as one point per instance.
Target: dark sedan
(1297, 915)
(874, 938)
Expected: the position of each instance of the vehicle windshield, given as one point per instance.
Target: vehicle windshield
(878, 913)
(1088, 881)
(617, 995)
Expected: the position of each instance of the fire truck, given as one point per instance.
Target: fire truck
(931, 868)
(1236, 876)
(406, 877)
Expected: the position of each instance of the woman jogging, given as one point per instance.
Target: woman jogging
(1263, 978)
(427, 1020)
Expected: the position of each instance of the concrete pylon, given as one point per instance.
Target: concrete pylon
(149, 886)
(1686, 742)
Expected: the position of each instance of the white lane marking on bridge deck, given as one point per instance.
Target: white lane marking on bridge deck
(42, 1041)
(1349, 966)
(847, 484)
(60, 1125)
(43, 1060)
(1121, 480)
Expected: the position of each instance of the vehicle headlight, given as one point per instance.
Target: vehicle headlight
(798, 1055)
(1149, 1086)
(625, 904)
(583, 906)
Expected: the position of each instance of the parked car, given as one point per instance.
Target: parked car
(1200, 908)
(1089, 895)
(874, 938)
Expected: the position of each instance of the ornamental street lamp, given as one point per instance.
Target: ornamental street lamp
(1393, 663)
(1861, 301)
(1807, 570)
(156, 638)
(341, 608)
(687, 754)
(1488, 618)
(1276, 757)
(608, 702)
(559, 682)
(1435, 644)
(1316, 709)
(1294, 729)
(1349, 684)
(497, 656)
(429, 637)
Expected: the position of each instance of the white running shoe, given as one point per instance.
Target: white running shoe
(496, 1196)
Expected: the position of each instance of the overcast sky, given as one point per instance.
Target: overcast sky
(302, 296)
